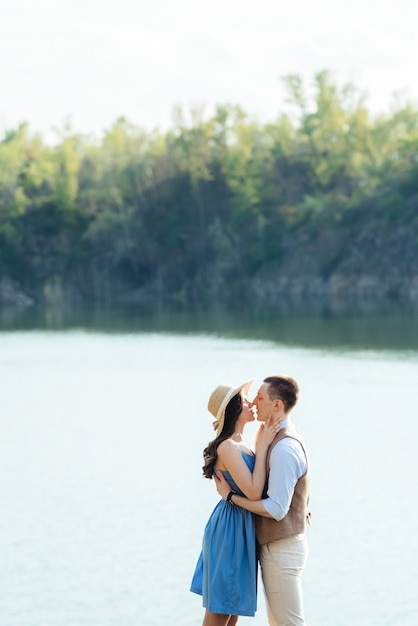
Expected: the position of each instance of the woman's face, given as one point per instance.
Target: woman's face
(248, 412)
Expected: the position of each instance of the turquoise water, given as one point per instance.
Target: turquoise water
(103, 505)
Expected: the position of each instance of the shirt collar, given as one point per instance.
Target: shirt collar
(285, 423)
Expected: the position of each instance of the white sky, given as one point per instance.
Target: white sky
(91, 61)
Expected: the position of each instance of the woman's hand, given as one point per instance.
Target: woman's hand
(267, 431)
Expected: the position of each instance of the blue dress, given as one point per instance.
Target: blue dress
(226, 571)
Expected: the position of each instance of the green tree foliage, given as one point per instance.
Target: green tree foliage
(182, 214)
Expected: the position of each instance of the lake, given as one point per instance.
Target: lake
(104, 421)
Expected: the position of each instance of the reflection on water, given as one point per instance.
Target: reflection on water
(317, 328)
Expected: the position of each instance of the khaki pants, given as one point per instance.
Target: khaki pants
(282, 562)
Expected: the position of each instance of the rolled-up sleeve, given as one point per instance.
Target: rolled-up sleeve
(287, 465)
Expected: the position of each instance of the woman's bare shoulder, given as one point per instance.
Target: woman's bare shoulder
(228, 448)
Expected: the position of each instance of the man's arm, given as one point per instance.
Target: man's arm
(287, 465)
(223, 488)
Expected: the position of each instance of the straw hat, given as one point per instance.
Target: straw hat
(219, 399)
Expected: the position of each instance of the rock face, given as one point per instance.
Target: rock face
(355, 265)
(376, 262)
(12, 295)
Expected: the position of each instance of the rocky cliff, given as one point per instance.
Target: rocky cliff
(347, 265)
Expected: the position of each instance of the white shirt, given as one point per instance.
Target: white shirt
(287, 465)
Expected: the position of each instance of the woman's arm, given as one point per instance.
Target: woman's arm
(230, 455)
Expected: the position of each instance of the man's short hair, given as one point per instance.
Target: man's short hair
(284, 388)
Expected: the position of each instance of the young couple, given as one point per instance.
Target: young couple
(264, 507)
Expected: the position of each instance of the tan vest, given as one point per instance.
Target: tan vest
(294, 522)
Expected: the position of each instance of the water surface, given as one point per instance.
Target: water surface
(103, 427)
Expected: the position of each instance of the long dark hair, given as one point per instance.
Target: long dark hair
(210, 454)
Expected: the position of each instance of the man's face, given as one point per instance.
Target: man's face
(263, 403)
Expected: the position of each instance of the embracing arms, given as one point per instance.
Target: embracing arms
(255, 506)
(287, 465)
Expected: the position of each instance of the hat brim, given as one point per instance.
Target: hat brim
(233, 392)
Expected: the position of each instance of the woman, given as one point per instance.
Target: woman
(226, 572)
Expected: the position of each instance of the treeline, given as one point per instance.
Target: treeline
(177, 216)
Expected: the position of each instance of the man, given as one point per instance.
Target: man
(283, 513)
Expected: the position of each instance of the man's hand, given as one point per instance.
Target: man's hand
(222, 486)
